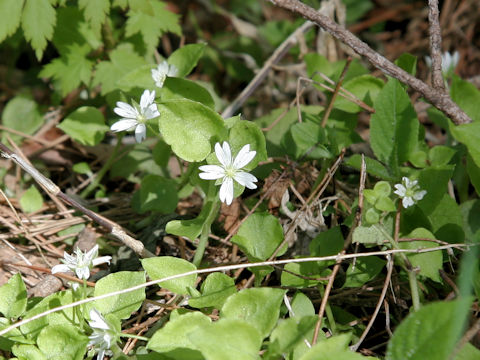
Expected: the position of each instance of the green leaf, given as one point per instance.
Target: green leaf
(190, 128)
(469, 215)
(141, 77)
(394, 126)
(430, 262)
(434, 180)
(473, 173)
(186, 58)
(368, 235)
(190, 228)
(95, 11)
(440, 155)
(469, 135)
(152, 25)
(407, 62)
(259, 307)
(446, 221)
(259, 236)
(22, 114)
(70, 70)
(302, 305)
(216, 288)
(430, 333)
(374, 167)
(27, 352)
(306, 139)
(174, 336)
(177, 88)
(38, 22)
(365, 88)
(232, 339)
(363, 270)
(327, 243)
(246, 132)
(85, 125)
(59, 342)
(122, 60)
(122, 305)
(310, 274)
(164, 266)
(467, 96)
(138, 159)
(157, 194)
(31, 200)
(10, 23)
(334, 348)
(468, 352)
(14, 297)
(288, 334)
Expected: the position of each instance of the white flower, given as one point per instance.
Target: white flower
(134, 117)
(162, 71)
(230, 170)
(103, 336)
(81, 262)
(409, 192)
(449, 62)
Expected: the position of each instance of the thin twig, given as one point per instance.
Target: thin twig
(435, 45)
(440, 100)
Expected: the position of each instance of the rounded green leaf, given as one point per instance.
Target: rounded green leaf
(164, 266)
(385, 204)
(122, 305)
(177, 88)
(231, 339)
(216, 288)
(157, 194)
(60, 342)
(31, 200)
(190, 128)
(85, 125)
(186, 58)
(382, 188)
(372, 216)
(259, 236)
(363, 270)
(174, 335)
(259, 307)
(21, 114)
(14, 297)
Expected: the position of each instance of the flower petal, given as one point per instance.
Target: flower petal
(92, 253)
(419, 195)
(97, 320)
(125, 110)
(243, 157)
(101, 260)
(140, 133)
(124, 124)
(60, 268)
(82, 272)
(151, 111)
(146, 99)
(401, 190)
(226, 191)
(172, 70)
(211, 172)
(246, 179)
(223, 154)
(407, 201)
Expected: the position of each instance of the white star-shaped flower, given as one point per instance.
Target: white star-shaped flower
(409, 192)
(162, 71)
(135, 117)
(81, 262)
(231, 169)
(449, 61)
(103, 335)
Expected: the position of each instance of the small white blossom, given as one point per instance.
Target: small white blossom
(409, 192)
(162, 71)
(81, 262)
(449, 62)
(135, 117)
(231, 169)
(102, 337)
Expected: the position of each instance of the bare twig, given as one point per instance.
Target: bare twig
(440, 100)
(435, 45)
(115, 230)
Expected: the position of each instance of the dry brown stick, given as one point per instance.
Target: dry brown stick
(114, 229)
(379, 304)
(435, 45)
(440, 100)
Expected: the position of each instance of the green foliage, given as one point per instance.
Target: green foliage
(85, 125)
(23, 108)
(216, 288)
(14, 297)
(31, 200)
(157, 194)
(38, 21)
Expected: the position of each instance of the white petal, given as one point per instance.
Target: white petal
(455, 58)
(124, 124)
(172, 70)
(123, 111)
(401, 190)
(101, 260)
(82, 272)
(223, 154)
(92, 253)
(407, 201)
(146, 99)
(244, 156)
(162, 68)
(211, 172)
(60, 268)
(151, 112)
(419, 195)
(246, 179)
(97, 320)
(140, 133)
(226, 191)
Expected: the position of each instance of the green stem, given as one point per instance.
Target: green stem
(134, 336)
(412, 279)
(99, 176)
(203, 242)
(328, 312)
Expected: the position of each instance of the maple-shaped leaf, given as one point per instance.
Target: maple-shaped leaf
(152, 26)
(38, 22)
(71, 69)
(10, 23)
(122, 60)
(95, 11)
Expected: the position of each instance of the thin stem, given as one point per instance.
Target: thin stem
(143, 338)
(99, 176)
